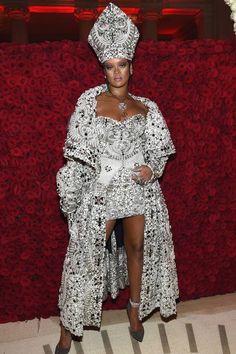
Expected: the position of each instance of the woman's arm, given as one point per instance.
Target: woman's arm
(157, 167)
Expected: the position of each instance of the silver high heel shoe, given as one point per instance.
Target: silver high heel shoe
(137, 335)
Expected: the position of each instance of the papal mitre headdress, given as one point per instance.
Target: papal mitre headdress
(113, 35)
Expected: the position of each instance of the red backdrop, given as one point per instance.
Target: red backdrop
(194, 83)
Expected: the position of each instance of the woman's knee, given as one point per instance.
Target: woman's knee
(136, 249)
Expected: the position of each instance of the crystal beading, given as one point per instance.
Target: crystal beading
(113, 35)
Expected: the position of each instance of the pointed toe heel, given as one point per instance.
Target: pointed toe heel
(59, 350)
(137, 335)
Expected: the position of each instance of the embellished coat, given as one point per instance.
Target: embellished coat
(90, 270)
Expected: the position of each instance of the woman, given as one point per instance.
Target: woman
(117, 146)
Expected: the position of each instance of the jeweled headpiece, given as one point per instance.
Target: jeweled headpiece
(113, 35)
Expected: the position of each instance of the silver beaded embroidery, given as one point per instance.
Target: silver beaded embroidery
(113, 35)
(123, 149)
(89, 270)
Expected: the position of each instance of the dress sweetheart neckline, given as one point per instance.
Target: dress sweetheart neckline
(121, 121)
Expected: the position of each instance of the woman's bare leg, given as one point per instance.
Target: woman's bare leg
(133, 241)
(110, 224)
(65, 338)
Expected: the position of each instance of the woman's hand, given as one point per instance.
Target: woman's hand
(142, 174)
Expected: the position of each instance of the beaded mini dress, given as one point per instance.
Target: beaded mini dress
(123, 143)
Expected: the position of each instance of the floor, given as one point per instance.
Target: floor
(206, 326)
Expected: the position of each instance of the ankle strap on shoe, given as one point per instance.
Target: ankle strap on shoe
(134, 304)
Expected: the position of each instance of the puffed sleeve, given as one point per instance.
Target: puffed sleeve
(158, 142)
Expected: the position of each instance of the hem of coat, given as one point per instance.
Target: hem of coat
(79, 333)
(158, 307)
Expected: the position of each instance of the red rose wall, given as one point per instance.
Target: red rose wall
(194, 84)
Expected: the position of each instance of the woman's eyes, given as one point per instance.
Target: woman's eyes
(122, 65)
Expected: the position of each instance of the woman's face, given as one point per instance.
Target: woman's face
(117, 71)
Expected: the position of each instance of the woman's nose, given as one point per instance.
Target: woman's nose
(116, 69)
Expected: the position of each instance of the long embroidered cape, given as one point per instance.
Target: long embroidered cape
(90, 271)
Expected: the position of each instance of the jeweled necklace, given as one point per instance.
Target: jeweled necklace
(121, 105)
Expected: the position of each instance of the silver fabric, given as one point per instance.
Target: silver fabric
(113, 35)
(122, 152)
(89, 270)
